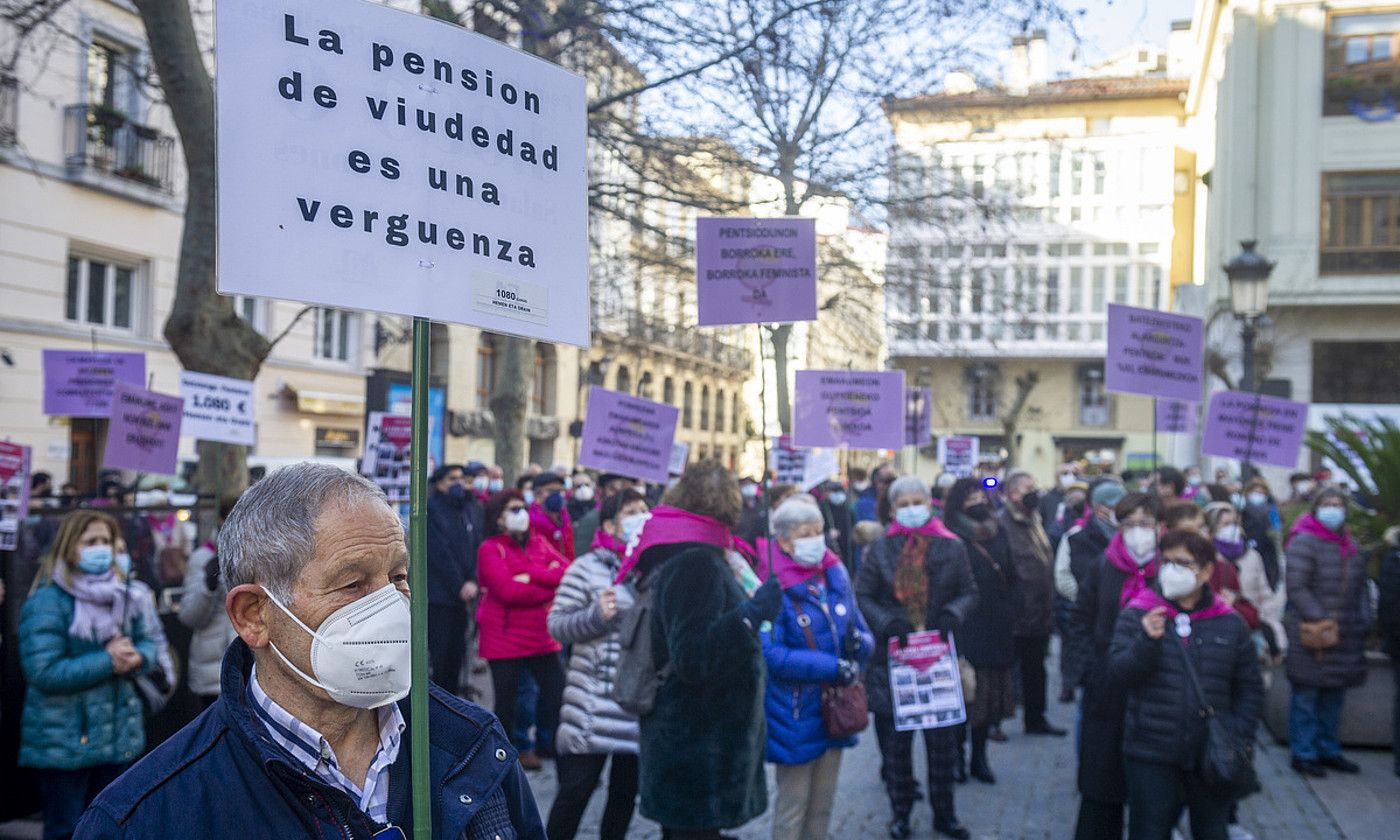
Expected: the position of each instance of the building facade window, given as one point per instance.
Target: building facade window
(1363, 61)
(1356, 372)
(253, 310)
(983, 384)
(734, 415)
(335, 335)
(485, 370)
(101, 293)
(542, 389)
(624, 379)
(668, 391)
(704, 408)
(1361, 222)
(1093, 396)
(719, 410)
(688, 405)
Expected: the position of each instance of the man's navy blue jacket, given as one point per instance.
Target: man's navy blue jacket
(223, 777)
(454, 535)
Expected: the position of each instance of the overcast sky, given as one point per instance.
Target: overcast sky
(1111, 25)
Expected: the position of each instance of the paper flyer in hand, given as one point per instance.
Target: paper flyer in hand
(925, 684)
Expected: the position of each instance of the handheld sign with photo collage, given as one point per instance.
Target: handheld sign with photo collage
(858, 409)
(959, 454)
(628, 435)
(14, 492)
(377, 160)
(1158, 354)
(755, 271)
(1255, 428)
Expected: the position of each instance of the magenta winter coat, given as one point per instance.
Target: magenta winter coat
(512, 618)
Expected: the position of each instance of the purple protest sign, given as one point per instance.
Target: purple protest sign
(1255, 428)
(1175, 417)
(755, 271)
(78, 383)
(1154, 353)
(144, 434)
(628, 435)
(859, 409)
(918, 411)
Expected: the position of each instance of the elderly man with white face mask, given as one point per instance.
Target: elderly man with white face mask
(308, 735)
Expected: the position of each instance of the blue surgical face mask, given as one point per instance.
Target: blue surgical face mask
(1332, 517)
(95, 559)
(914, 516)
(631, 525)
(838, 498)
(124, 564)
(495, 485)
(529, 496)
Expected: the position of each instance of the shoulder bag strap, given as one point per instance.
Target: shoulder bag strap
(803, 621)
(1190, 669)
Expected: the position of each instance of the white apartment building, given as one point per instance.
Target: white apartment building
(1020, 212)
(1292, 107)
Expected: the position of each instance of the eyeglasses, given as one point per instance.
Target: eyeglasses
(1189, 564)
(514, 508)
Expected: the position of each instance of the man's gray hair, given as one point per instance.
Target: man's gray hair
(1016, 477)
(269, 535)
(793, 513)
(907, 484)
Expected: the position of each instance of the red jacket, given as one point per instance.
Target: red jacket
(511, 617)
(1223, 576)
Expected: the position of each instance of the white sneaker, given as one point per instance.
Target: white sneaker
(1239, 832)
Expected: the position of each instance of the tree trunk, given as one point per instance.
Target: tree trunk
(202, 329)
(1025, 384)
(778, 337)
(510, 399)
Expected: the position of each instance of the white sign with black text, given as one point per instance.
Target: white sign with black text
(217, 408)
(379, 160)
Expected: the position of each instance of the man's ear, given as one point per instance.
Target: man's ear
(247, 607)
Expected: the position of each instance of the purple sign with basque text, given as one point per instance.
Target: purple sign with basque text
(145, 430)
(1175, 417)
(1154, 353)
(628, 435)
(755, 271)
(859, 409)
(78, 383)
(1255, 428)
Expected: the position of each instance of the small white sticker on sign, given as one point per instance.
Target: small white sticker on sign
(510, 298)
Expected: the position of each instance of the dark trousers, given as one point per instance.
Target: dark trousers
(505, 680)
(1030, 654)
(897, 766)
(1098, 820)
(447, 644)
(578, 777)
(1158, 792)
(1395, 713)
(65, 794)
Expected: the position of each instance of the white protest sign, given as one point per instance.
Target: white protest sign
(374, 159)
(680, 454)
(821, 466)
(217, 408)
(959, 454)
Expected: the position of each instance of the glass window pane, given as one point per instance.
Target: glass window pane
(71, 302)
(1351, 223)
(97, 293)
(326, 341)
(121, 299)
(343, 339)
(1368, 24)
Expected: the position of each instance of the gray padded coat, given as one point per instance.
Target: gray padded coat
(1323, 585)
(203, 612)
(590, 721)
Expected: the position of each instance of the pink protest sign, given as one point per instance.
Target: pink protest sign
(1175, 417)
(1154, 353)
(1255, 428)
(755, 271)
(14, 492)
(628, 435)
(78, 383)
(859, 409)
(925, 683)
(144, 434)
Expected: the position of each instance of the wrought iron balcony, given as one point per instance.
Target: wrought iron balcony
(98, 139)
(633, 325)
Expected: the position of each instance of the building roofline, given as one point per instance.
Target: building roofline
(1054, 93)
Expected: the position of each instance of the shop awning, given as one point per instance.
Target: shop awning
(327, 402)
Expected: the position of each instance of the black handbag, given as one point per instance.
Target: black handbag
(1226, 761)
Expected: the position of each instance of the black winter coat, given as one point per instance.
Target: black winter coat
(454, 535)
(1091, 624)
(702, 746)
(987, 637)
(1163, 724)
(952, 595)
(1321, 584)
(1388, 612)
(1035, 606)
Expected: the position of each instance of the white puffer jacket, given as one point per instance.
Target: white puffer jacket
(203, 612)
(590, 721)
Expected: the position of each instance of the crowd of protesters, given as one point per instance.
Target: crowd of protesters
(680, 637)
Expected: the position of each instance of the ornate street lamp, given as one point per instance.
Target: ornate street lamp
(1248, 274)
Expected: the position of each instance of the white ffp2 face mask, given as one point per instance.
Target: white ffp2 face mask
(360, 654)
(1176, 581)
(1141, 542)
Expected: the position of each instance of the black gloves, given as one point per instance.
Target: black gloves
(211, 574)
(899, 628)
(850, 648)
(847, 672)
(944, 624)
(766, 603)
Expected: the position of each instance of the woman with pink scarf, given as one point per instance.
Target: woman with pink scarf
(1326, 583)
(82, 639)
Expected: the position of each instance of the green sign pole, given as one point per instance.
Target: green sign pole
(418, 577)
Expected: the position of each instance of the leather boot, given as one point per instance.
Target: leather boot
(947, 824)
(980, 769)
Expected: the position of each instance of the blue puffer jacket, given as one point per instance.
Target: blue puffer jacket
(223, 777)
(77, 712)
(796, 673)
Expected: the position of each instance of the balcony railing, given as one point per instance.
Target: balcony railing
(100, 139)
(694, 341)
(9, 111)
